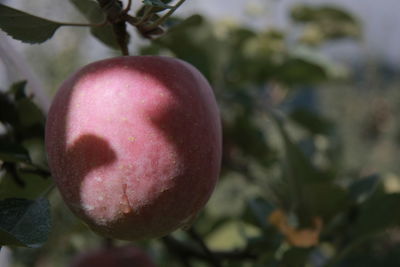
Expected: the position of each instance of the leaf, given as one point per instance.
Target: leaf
(157, 3)
(363, 188)
(8, 110)
(10, 152)
(260, 210)
(29, 114)
(325, 22)
(296, 71)
(299, 166)
(18, 90)
(26, 221)
(92, 11)
(34, 185)
(312, 121)
(378, 213)
(26, 27)
(8, 239)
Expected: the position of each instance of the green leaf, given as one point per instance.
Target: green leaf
(325, 199)
(363, 188)
(18, 90)
(157, 3)
(296, 71)
(325, 22)
(92, 11)
(24, 222)
(34, 185)
(8, 110)
(10, 152)
(260, 210)
(378, 213)
(29, 113)
(312, 121)
(26, 27)
(8, 239)
(106, 35)
(299, 166)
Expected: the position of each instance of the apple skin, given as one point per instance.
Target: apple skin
(134, 145)
(126, 256)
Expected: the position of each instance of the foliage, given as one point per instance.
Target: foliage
(286, 198)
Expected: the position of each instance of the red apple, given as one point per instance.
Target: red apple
(134, 145)
(127, 256)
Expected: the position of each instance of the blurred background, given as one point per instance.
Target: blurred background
(309, 97)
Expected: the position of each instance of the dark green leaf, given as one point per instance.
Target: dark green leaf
(260, 210)
(29, 113)
(299, 166)
(27, 221)
(92, 11)
(8, 110)
(34, 185)
(378, 213)
(156, 3)
(295, 71)
(13, 153)
(8, 239)
(325, 199)
(26, 27)
(362, 188)
(18, 90)
(313, 122)
(325, 23)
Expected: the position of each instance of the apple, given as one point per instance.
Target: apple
(126, 256)
(134, 145)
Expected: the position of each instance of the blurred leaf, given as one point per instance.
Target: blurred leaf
(92, 11)
(361, 189)
(308, 13)
(325, 23)
(296, 257)
(177, 24)
(312, 121)
(29, 113)
(9, 240)
(26, 27)
(312, 191)
(34, 185)
(26, 220)
(231, 235)
(193, 50)
(8, 111)
(326, 199)
(295, 71)
(378, 213)
(10, 152)
(18, 90)
(260, 210)
(299, 166)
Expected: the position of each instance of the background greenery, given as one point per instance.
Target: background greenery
(309, 175)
